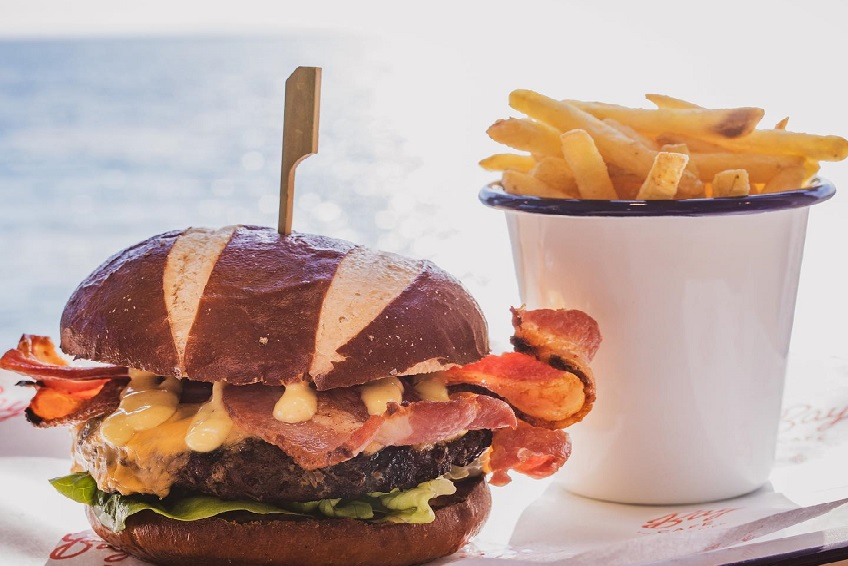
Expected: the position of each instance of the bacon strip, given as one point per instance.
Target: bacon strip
(548, 384)
(66, 393)
(426, 422)
(547, 380)
(533, 451)
(542, 395)
(36, 357)
(342, 427)
(49, 407)
(565, 338)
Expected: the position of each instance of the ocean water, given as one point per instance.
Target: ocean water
(104, 142)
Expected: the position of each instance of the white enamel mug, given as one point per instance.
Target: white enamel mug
(695, 300)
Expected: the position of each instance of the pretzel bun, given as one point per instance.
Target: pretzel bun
(250, 540)
(243, 304)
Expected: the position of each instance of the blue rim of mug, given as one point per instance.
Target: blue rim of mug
(820, 190)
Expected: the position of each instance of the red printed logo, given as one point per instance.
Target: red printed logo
(74, 545)
(815, 421)
(699, 519)
(807, 431)
(10, 409)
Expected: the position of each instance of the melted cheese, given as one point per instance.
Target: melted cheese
(211, 425)
(142, 446)
(147, 402)
(297, 404)
(147, 463)
(150, 461)
(150, 455)
(432, 388)
(378, 394)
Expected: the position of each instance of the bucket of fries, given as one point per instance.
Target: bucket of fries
(682, 230)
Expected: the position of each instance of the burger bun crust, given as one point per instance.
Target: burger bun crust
(243, 304)
(271, 541)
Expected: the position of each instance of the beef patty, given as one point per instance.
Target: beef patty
(254, 469)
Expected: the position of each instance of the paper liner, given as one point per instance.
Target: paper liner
(802, 509)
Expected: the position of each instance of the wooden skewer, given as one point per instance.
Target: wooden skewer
(300, 134)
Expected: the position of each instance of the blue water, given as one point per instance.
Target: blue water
(104, 142)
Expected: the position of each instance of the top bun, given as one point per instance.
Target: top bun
(243, 304)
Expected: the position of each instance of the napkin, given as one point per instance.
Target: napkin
(802, 509)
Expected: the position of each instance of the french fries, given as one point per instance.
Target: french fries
(590, 171)
(785, 180)
(665, 101)
(760, 168)
(694, 144)
(504, 161)
(784, 142)
(664, 176)
(555, 172)
(518, 183)
(731, 183)
(614, 146)
(697, 122)
(632, 134)
(527, 135)
(677, 150)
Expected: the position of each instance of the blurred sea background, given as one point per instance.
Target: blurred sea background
(106, 141)
(118, 122)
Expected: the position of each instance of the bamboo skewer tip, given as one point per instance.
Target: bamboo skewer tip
(300, 134)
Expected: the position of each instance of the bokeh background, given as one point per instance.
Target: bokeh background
(121, 120)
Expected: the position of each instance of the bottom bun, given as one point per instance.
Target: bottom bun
(244, 539)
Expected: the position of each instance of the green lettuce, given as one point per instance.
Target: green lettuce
(112, 509)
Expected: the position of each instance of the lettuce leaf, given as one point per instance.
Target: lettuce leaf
(112, 509)
(413, 505)
(78, 487)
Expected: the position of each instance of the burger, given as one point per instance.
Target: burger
(242, 397)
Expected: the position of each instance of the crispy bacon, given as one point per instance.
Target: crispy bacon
(533, 451)
(547, 380)
(342, 427)
(36, 357)
(66, 393)
(426, 422)
(564, 338)
(542, 395)
(548, 384)
(50, 407)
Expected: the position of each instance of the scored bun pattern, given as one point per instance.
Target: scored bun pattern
(187, 270)
(243, 304)
(396, 342)
(115, 313)
(366, 282)
(258, 316)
